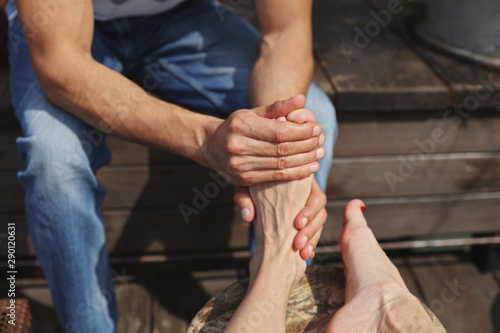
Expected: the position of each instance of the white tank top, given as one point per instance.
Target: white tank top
(112, 9)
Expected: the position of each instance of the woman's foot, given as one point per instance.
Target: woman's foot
(377, 299)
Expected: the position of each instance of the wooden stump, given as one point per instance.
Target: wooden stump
(312, 304)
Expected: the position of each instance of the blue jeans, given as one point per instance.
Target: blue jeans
(196, 55)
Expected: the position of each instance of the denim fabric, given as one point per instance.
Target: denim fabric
(198, 55)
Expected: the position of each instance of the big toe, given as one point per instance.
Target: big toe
(353, 214)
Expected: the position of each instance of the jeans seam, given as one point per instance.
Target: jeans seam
(181, 75)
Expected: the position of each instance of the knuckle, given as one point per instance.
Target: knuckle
(234, 164)
(233, 147)
(236, 124)
(279, 175)
(244, 178)
(280, 133)
(282, 163)
(284, 148)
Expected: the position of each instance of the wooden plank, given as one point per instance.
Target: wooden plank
(215, 230)
(416, 174)
(378, 73)
(380, 176)
(458, 293)
(465, 79)
(141, 187)
(386, 133)
(134, 309)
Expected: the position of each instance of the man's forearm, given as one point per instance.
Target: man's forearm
(109, 101)
(284, 68)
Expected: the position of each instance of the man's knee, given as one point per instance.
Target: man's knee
(57, 158)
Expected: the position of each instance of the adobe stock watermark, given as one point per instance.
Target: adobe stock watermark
(448, 295)
(372, 29)
(201, 198)
(452, 118)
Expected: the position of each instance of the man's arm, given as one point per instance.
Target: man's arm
(73, 80)
(285, 66)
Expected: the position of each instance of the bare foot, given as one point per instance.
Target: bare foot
(377, 299)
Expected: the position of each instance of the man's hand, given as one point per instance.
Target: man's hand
(310, 219)
(252, 146)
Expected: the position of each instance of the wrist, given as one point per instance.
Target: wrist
(204, 155)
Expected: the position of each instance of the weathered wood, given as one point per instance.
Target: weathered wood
(415, 174)
(134, 309)
(383, 133)
(313, 302)
(378, 176)
(465, 79)
(460, 296)
(378, 74)
(221, 229)
(469, 83)
(142, 187)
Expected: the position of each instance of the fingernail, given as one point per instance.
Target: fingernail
(304, 222)
(316, 131)
(320, 153)
(303, 241)
(314, 168)
(322, 140)
(310, 249)
(244, 213)
(363, 208)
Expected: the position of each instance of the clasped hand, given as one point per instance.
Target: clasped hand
(254, 146)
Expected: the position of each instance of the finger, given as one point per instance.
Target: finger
(272, 130)
(301, 116)
(247, 178)
(307, 233)
(246, 163)
(315, 203)
(252, 147)
(244, 202)
(308, 250)
(281, 108)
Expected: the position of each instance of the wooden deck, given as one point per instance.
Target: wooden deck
(391, 95)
